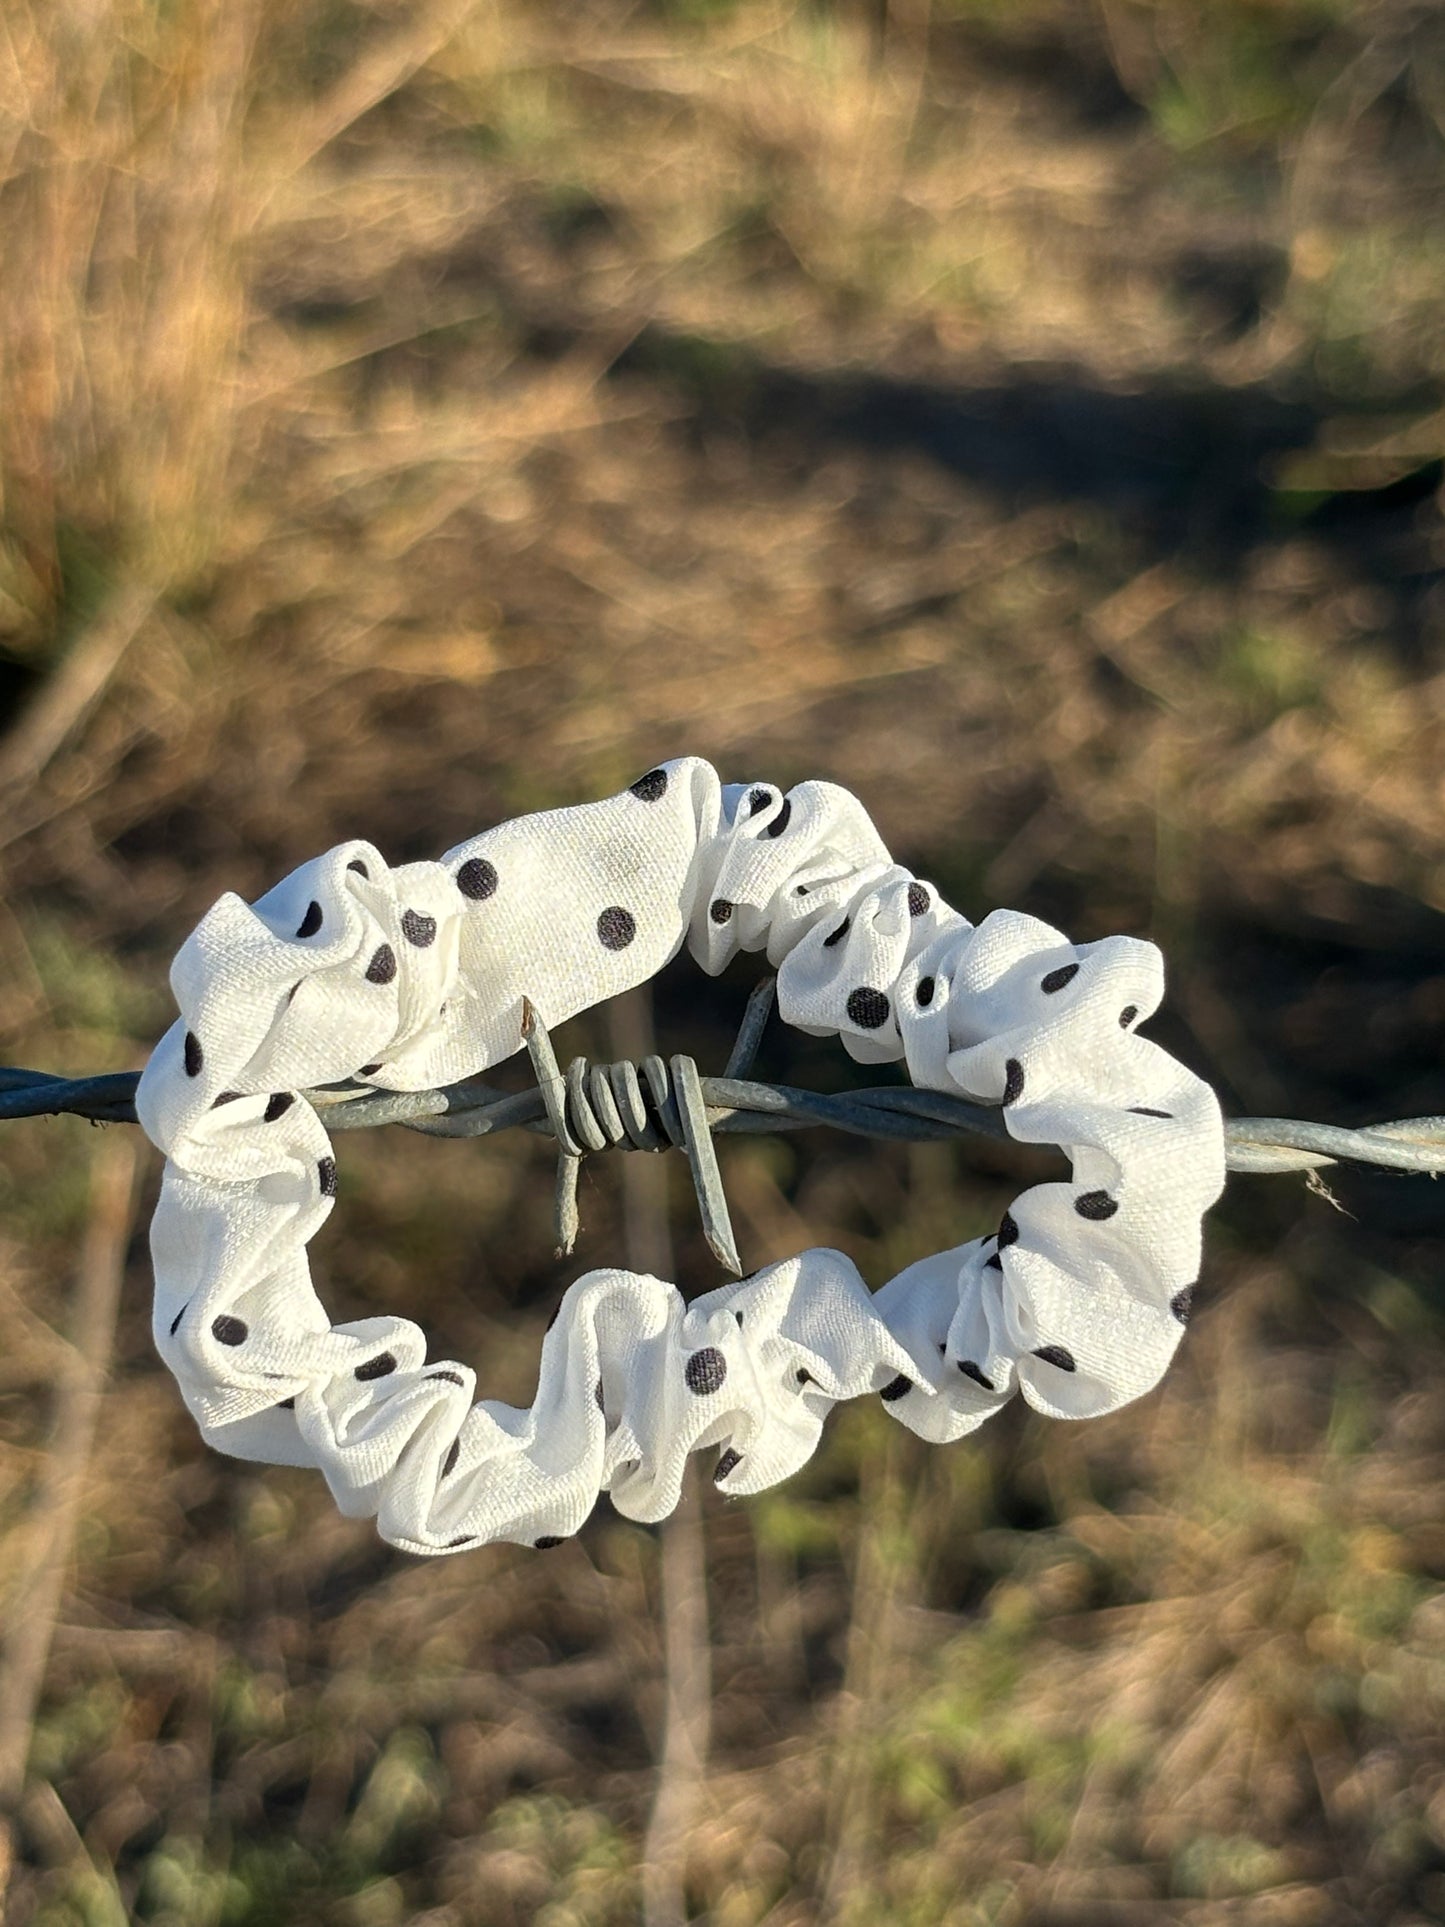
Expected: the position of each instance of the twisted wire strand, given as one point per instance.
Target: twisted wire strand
(473, 1108)
(655, 1105)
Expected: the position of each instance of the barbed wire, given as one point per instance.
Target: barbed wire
(655, 1104)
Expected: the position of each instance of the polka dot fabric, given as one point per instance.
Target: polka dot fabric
(414, 976)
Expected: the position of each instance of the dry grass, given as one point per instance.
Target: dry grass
(415, 413)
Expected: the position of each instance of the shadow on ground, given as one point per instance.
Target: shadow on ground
(1195, 467)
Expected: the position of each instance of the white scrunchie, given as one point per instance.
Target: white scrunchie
(412, 977)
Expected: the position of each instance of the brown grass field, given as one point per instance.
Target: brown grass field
(1030, 413)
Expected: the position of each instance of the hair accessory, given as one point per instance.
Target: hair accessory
(400, 979)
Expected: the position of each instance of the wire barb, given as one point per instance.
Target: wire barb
(653, 1106)
(569, 1152)
(702, 1161)
(596, 1106)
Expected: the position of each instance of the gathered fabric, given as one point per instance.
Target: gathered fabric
(409, 977)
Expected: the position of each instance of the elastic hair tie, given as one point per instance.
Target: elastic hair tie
(409, 977)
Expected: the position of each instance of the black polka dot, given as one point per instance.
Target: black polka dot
(1008, 1231)
(477, 878)
(896, 1388)
(804, 1377)
(924, 993)
(706, 1370)
(547, 1541)
(452, 1378)
(326, 1177)
(720, 910)
(729, 1461)
(993, 1262)
(176, 1321)
(360, 868)
(194, 1057)
(1056, 1355)
(287, 1405)
(368, 1070)
(738, 1315)
(597, 1395)
(975, 1372)
(382, 1366)
(230, 1331)
(1143, 1110)
(652, 787)
(781, 820)
(1182, 1304)
(311, 922)
(449, 1463)
(868, 1009)
(277, 1106)
(758, 800)
(616, 927)
(1127, 1015)
(838, 935)
(1097, 1205)
(226, 1097)
(1056, 979)
(1013, 1088)
(918, 900)
(382, 967)
(418, 929)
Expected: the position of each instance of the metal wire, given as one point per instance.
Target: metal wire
(654, 1105)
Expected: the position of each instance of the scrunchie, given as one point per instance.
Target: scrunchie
(414, 976)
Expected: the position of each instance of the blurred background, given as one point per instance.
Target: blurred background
(1025, 412)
